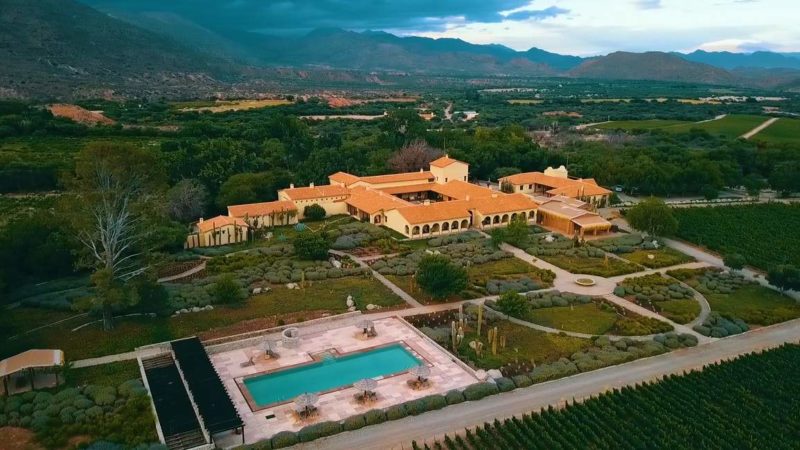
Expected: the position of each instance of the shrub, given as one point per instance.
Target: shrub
(505, 384)
(415, 407)
(513, 304)
(374, 416)
(434, 402)
(522, 380)
(284, 439)
(480, 390)
(314, 212)
(311, 246)
(440, 277)
(454, 397)
(318, 430)
(226, 290)
(353, 422)
(396, 412)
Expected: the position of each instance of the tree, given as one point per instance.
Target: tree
(309, 245)
(784, 277)
(735, 261)
(440, 277)
(187, 200)
(513, 304)
(314, 212)
(784, 178)
(652, 216)
(517, 232)
(507, 187)
(112, 207)
(413, 157)
(710, 192)
(252, 187)
(753, 184)
(226, 290)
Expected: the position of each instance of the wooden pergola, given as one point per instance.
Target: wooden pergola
(29, 361)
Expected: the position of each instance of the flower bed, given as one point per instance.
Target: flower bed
(661, 295)
(576, 258)
(648, 252)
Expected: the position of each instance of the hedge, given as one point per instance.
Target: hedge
(318, 430)
(396, 412)
(454, 397)
(354, 422)
(505, 384)
(480, 390)
(284, 439)
(375, 416)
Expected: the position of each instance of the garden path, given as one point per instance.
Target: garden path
(188, 273)
(759, 128)
(642, 311)
(392, 287)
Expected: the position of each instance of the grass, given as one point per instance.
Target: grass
(784, 131)
(591, 266)
(233, 105)
(763, 233)
(588, 318)
(523, 344)
(261, 311)
(631, 125)
(756, 305)
(525, 101)
(679, 311)
(112, 374)
(731, 126)
(14, 207)
(663, 257)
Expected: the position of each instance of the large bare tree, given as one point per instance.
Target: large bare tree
(114, 189)
(413, 156)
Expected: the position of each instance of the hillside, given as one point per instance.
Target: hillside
(729, 60)
(61, 48)
(651, 66)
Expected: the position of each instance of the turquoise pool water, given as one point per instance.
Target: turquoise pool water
(329, 374)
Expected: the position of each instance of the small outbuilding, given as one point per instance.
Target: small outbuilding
(28, 363)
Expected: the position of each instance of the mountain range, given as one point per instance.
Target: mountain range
(64, 48)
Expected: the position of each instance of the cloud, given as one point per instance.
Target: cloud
(648, 4)
(296, 16)
(536, 14)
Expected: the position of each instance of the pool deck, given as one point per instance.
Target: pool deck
(446, 375)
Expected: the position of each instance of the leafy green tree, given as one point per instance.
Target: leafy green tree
(753, 184)
(187, 201)
(314, 212)
(507, 187)
(513, 304)
(736, 261)
(310, 245)
(784, 277)
(252, 188)
(517, 232)
(785, 177)
(440, 277)
(226, 290)
(710, 192)
(652, 216)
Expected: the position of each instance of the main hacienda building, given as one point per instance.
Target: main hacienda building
(424, 204)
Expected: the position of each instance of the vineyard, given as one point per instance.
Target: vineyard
(748, 403)
(762, 233)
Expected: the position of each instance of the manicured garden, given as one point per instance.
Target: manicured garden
(646, 252)
(763, 233)
(662, 295)
(745, 400)
(577, 257)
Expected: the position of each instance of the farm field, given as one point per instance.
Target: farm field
(731, 126)
(784, 131)
(745, 400)
(631, 125)
(232, 105)
(523, 101)
(763, 233)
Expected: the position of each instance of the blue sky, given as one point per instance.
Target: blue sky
(581, 27)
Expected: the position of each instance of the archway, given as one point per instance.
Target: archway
(487, 221)
(446, 226)
(455, 225)
(426, 229)
(435, 228)
(415, 231)
(464, 224)
(496, 219)
(504, 219)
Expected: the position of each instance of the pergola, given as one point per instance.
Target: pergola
(29, 361)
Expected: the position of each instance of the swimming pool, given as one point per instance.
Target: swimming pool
(328, 374)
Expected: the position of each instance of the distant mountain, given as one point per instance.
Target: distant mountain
(651, 66)
(729, 60)
(554, 60)
(53, 48)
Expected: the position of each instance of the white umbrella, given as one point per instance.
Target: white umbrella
(306, 400)
(420, 371)
(366, 385)
(364, 325)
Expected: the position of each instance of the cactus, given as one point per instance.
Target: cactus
(454, 335)
(480, 318)
(494, 341)
(503, 342)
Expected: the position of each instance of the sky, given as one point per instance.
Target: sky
(578, 27)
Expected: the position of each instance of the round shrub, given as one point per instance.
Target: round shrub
(453, 397)
(353, 422)
(396, 412)
(415, 407)
(505, 384)
(318, 430)
(127, 387)
(480, 390)
(374, 417)
(521, 380)
(94, 412)
(284, 439)
(434, 402)
(43, 397)
(82, 403)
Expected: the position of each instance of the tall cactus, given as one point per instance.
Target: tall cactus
(494, 341)
(480, 318)
(454, 335)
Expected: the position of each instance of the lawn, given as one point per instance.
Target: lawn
(662, 257)
(756, 305)
(679, 311)
(731, 126)
(263, 311)
(784, 131)
(650, 124)
(112, 374)
(587, 318)
(603, 267)
(765, 234)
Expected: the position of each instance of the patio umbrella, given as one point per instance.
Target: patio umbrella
(366, 385)
(420, 371)
(306, 400)
(364, 325)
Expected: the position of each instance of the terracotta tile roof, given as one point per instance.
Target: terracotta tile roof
(503, 203)
(219, 222)
(445, 161)
(344, 178)
(461, 190)
(398, 177)
(559, 186)
(591, 220)
(260, 209)
(580, 189)
(562, 210)
(372, 201)
(574, 202)
(323, 191)
(435, 212)
(537, 178)
(31, 359)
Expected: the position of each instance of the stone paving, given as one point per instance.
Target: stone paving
(446, 374)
